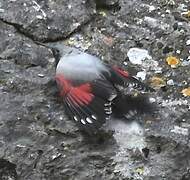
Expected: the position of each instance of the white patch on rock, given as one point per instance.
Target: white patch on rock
(82, 121)
(39, 17)
(141, 57)
(151, 8)
(171, 103)
(188, 42)
(141, 75)
(132, 131)
(88, 120)
(180, 130)
(152, 22)
(168, 11)
(185, 63)
(69, 6)
(38, 8)
(130, 139)
(41, 75)
(137, 56)
(170, 82)
(2, 10)
(152, 100)
(182, 7)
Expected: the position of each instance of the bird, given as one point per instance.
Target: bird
(90, 90)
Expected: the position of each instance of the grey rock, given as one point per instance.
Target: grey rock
(40, 142)
(20, 49)
(7, 170)
(107, 4)
(47, 20)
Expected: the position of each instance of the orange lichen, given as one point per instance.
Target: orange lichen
(157, 82)
(187, 14)
(172, 61)
(186, 92)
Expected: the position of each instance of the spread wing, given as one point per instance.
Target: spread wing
(121, 77)
(89, 104)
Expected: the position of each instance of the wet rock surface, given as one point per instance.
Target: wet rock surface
(37, 141)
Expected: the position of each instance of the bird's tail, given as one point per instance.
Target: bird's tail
(128, 106)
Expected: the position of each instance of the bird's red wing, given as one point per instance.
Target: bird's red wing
(123, 78)
(88, 104)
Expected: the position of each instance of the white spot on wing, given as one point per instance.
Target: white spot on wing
(75, 118)
(108, 112)
(88, 120)
(112, 96)
(107, 104)
(128, 116)
(107, 118)
(82, 121)
(132, 113)
(94, 117)
(108, 109)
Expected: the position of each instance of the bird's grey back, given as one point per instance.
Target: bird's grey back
(80, 66)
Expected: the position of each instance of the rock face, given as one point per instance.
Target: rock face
(46, 20)
(38, 142)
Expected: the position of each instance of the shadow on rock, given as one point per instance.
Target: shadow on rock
(7, 170)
